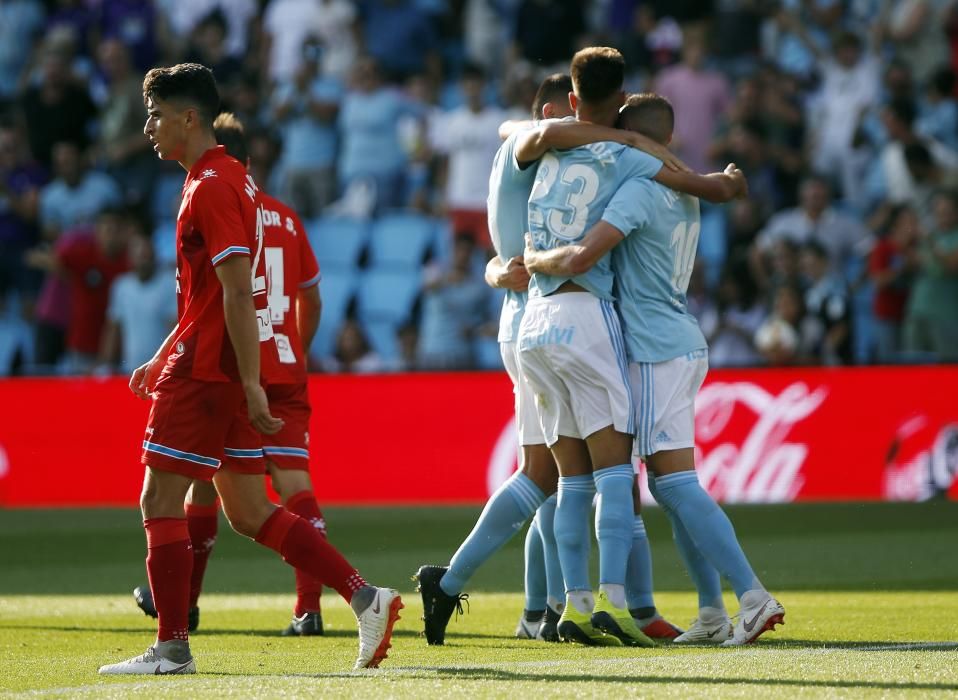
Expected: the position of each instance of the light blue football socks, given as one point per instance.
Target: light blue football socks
(613, 528)
(705, 577)
(573, 538)
(638, 571)
(504, 515)
(708, 527)
(535, 576)
(555, 586)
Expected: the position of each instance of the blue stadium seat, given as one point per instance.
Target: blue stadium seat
(401, 240)
(383, 339)
(337, 241)
(388, 295)
(337, 289)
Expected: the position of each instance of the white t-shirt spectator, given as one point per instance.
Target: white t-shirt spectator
(291, 22)
(145, 312)
(470, 140)
(846, 94)
(899, 183)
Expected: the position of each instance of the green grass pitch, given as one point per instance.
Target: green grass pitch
(871, 593)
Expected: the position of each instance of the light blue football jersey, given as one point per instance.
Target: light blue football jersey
(652, 269)
(571, 192)
(508, 207)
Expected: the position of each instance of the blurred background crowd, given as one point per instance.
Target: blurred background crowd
(377, 121)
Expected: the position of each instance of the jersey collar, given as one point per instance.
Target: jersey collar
(208, 156)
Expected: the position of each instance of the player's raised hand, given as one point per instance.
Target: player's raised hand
(258, 408)
(739, 178)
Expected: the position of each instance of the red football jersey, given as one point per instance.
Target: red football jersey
(290, 267)
(217, 220)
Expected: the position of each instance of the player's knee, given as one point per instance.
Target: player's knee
(247, 521)
(243, 524)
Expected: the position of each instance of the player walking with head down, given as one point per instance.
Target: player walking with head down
(208, 403)
(668, 362)
(292, 288)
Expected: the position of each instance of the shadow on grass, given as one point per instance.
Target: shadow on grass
(495, 674)
(204, 632)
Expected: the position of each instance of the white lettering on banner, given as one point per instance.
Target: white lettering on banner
(764, 467)
(929, 473)
(4, 462)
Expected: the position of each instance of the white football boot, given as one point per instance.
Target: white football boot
(712, 626)
(759, 613)
(526, 629)
(376, 627)
(150, 663)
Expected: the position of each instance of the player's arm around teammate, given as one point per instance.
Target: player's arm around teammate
(533, 143)
(578, 258)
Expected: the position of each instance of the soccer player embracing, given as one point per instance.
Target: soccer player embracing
(668, 362)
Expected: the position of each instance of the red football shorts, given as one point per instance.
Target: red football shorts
(289, 448)
(196, 428)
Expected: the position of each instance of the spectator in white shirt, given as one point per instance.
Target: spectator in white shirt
(141, 312)
(815, 219)
(289, 23)
(468, 138)
(851, 81)
(899, 118)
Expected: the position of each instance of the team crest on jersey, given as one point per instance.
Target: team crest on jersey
(207, 173)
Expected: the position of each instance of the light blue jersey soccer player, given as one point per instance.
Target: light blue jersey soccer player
(510, 184)
(668, 362)
(572, 353)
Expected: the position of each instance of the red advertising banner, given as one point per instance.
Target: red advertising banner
(762, 436)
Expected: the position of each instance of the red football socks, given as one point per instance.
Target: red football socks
(169, 561)
(308, 588)
(202, 522)
(302, 547)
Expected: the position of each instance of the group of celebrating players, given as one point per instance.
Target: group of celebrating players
(595, 226)
(605, 361)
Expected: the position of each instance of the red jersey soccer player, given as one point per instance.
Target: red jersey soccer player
(205, 385)
(292, 284)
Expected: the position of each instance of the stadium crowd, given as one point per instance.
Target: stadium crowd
(378, 119)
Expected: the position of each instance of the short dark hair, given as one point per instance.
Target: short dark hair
(597, 73)
(187, 82)
(229, 132)
(649, 114)
(555, 88)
